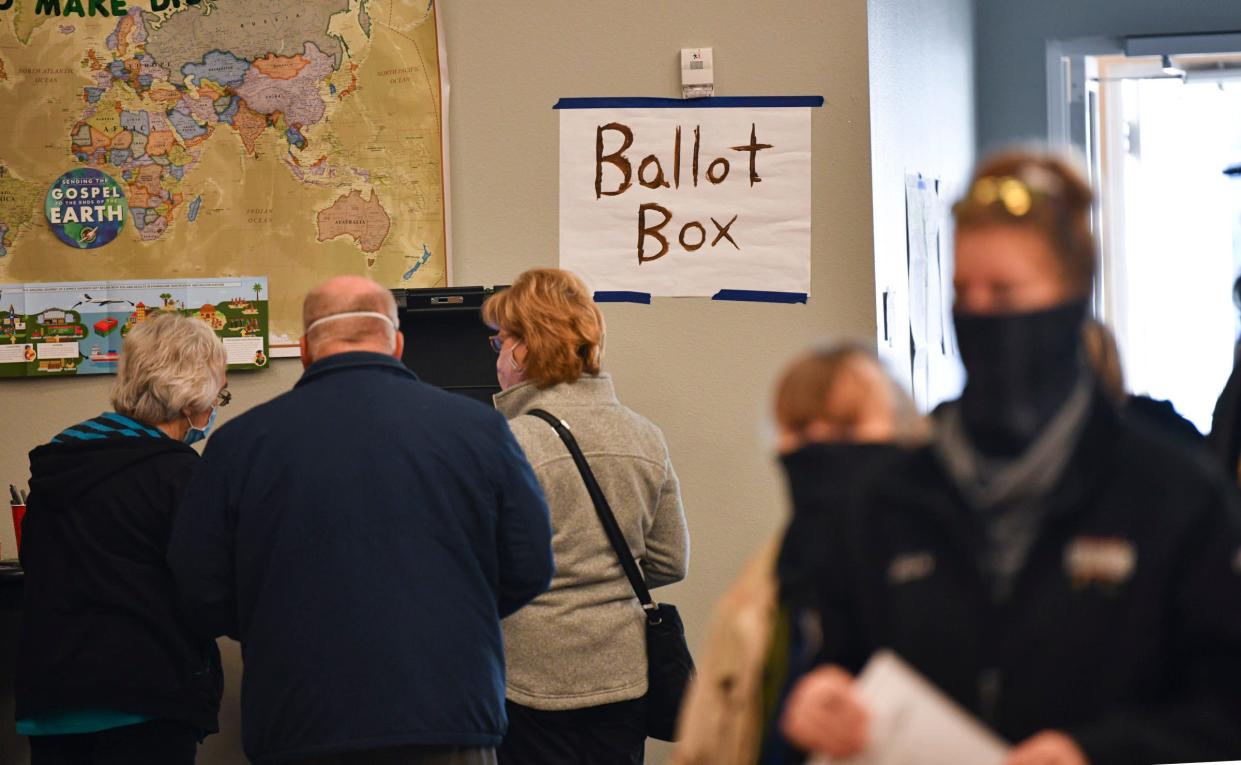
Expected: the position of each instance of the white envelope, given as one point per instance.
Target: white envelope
(915, 723)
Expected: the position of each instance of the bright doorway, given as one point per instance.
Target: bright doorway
(1163, 132)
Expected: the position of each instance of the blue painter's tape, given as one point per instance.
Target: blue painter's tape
(717, 102)
(623, 297)
(761, 297)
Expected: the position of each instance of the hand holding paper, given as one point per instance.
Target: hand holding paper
(911, 722)
(1047, 748)
(826, 714)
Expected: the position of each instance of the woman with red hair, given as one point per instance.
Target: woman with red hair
(576, 655)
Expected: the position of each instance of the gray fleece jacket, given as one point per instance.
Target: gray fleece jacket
(582, 643)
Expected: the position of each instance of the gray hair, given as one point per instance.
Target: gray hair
(169, 364)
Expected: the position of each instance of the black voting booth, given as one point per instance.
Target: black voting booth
(446, 340)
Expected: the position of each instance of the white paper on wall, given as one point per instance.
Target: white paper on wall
(916, 221)
(664, 199)
(935, 373)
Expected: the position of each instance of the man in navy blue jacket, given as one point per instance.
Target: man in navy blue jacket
(362, 536)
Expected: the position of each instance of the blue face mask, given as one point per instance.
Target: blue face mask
(194, 435)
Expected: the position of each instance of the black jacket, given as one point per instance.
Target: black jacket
(821, 477)
(100, 625)
(1162, 416)
(363, 535)
(1225, 437)
(1124, 628)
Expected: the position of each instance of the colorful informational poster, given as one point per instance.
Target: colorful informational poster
(666, 197)
(78, 328)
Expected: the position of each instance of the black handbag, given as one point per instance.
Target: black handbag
(668, 661)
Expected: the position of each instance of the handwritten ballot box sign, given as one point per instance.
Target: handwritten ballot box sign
(666, 197)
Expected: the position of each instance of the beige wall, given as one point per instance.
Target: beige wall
(699, 369)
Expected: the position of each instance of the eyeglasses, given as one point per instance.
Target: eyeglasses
(497, 343)
(223, 397)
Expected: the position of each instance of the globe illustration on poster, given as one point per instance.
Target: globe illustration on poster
(86, 208)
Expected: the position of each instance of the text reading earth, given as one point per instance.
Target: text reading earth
(86, 208)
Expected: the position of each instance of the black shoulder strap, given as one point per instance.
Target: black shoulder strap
(602, 508)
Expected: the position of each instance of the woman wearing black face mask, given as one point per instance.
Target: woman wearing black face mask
(839, 418)
(1078, 580)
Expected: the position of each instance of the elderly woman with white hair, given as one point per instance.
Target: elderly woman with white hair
(107, 672)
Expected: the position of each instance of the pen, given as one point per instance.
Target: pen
(17, 500)
(24, 494)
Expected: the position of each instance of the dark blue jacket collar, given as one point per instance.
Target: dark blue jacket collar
(353, 360)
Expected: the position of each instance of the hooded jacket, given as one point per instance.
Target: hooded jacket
(100, 622)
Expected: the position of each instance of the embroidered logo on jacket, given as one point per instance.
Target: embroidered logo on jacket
(1104, 561)
(910, 567)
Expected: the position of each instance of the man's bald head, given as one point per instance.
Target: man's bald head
(349, 294)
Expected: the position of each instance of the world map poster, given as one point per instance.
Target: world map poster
(192, 139)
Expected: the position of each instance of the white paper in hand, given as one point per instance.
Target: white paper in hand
(915, 723)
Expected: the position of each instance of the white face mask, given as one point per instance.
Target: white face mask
(356, 315)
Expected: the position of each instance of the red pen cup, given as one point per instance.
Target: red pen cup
(19, 512)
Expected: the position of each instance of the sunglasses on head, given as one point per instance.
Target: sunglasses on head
(1017, 194)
